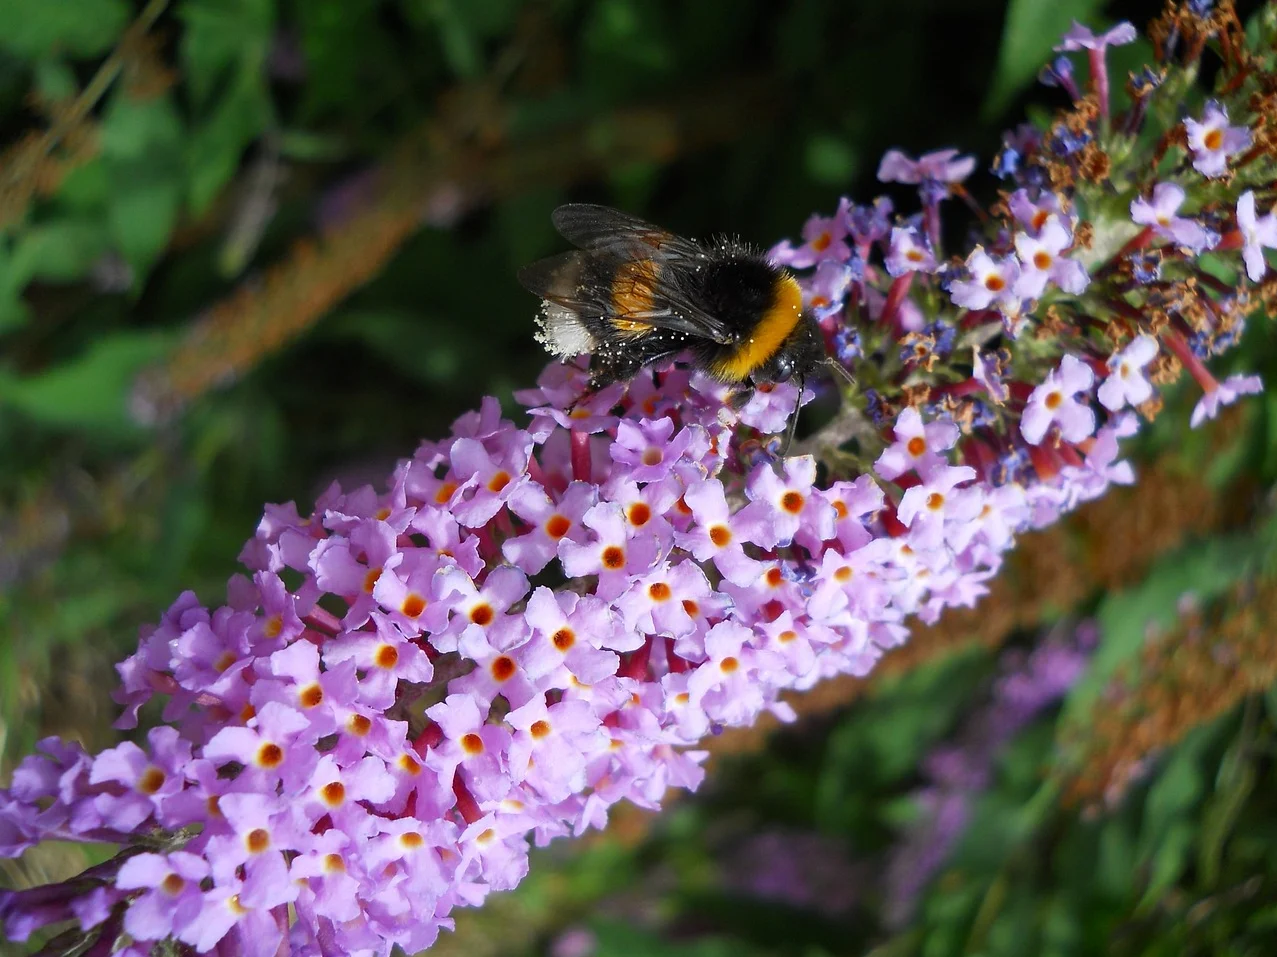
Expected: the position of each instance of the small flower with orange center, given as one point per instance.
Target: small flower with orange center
(716, 535)
(781, 504)
(909, 252)
(992, 283)
(170, 897)
(1212, 141)
(617, 552)
(918, 447)
(1043, 260)
(1055, 403)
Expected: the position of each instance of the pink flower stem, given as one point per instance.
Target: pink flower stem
(467, 806)
(895, 296)
(1100, 82)
(323, 621)
(581, 466)
(1196, 368)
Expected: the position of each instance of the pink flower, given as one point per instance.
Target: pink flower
(1054, 402)
(1080, 37)
(909, 252)
(941, 166)
(1211, 140)
(917, 447)
(1160, 214)
(1126, 383)
(1258, 232)
(992, 283)
(1223, 394)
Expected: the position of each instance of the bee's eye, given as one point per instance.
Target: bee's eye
(784, 368)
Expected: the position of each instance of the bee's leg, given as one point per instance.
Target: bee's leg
(740, 395)
(793, 418)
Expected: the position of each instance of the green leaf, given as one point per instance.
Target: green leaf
(136, 129)
(1032, 30)
(1175, 792)
(91, 392)
(62, 251)
(1170, 860)
(142, 219)
(55, 79)
(1233, 787)
(217, 144)
(38, 28)
(221, 35)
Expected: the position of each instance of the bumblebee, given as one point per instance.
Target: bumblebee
(632, 294)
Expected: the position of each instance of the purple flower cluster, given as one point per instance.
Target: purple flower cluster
(957, 773)
(370, 729)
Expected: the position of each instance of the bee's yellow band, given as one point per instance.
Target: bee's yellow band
(768, 336)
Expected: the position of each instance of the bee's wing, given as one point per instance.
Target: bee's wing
(609, 232)
(559, 279)
(618, 239)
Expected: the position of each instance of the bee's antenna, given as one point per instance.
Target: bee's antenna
(840, 369)
(793, 418)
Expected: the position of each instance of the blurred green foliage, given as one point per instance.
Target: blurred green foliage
(162, 160)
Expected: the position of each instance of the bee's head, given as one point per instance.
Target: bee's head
(800, 353)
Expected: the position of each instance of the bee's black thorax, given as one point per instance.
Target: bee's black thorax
(739, 290)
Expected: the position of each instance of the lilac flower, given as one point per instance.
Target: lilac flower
(1080, 37)
(1054, 402)
(1059, 72)
(1258, 233)
(1160, 214)
(1041, 261)
(827, 288)
(926, 508)
(1034, 214)
(940, 166)
(909, 252)
(992, 283)
(987, 369)
(1211, 140)
(1223, 394)
(917, 447)
(1126, 383)
(825, 238)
